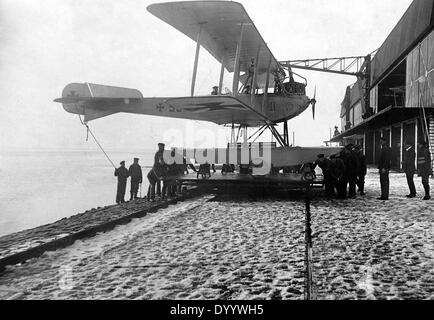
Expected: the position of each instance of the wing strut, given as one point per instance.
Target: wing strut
(267, 83)
(237, 62)
(222, 74)
(278, 137)
(255, 76)
(196, 61)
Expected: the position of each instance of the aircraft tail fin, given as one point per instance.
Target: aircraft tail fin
(96, 101)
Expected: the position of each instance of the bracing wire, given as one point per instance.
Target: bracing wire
(96, 140)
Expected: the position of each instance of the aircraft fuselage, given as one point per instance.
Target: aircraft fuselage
(97, 101)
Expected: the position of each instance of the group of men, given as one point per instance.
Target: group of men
(135, 172)
(164, 172)
(155, 176)
(424, 168)
(343, 173)
(346, 171)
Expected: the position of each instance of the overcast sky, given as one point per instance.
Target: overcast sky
(46, 44)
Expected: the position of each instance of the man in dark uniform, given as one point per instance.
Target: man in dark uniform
(172, 171)
(122, 174)
(135, 172)
(336, 133)
(349, 173)
(169, 186)
(215, 91)
(153, 179)
(352, 169)
(424, 165)
(324, 165)
(408, 164)
(384, 168)
(337, 175)
(159, 166)
(228, 168)
(362, 169)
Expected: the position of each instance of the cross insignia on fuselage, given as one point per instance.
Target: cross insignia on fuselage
(160, 107)
(72, 94)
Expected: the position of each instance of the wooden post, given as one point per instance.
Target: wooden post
(364, 143)
(401, 155)
(196, 61)
(416, 140)
(390, 137)
(309, 290)
(374, 147)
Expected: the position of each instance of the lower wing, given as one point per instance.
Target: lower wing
(97, 101)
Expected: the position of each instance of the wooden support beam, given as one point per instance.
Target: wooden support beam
(402, 147)
(416, 139)
(390, 137)
(364, 143)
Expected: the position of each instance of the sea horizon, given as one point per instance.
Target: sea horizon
(43, 185)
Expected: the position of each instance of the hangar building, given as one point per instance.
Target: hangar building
(401, 90)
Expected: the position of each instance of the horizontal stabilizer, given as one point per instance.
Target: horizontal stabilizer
(96, 101)
(89, 90)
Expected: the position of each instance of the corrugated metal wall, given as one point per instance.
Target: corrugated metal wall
(420, 75)
(416, 22)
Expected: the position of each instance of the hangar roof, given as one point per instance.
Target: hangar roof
(416, 22)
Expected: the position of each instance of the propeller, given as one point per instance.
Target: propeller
(313, 102)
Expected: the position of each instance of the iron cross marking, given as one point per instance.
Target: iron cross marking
(73, 94)
(160, 107)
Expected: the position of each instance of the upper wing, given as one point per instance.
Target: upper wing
(221, 26)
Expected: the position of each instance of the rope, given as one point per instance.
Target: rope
(97, 142)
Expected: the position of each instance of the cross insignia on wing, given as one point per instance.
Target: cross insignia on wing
(160, 107)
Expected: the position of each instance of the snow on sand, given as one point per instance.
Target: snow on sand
(231, 248)
(368, 249)
(196, 250)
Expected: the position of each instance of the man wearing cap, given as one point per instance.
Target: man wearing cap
(424, 165)
(362, 169)
(324, 165)
(122, 174)
(159, 167)
(408, 165)
(384, 168)
(351, 168)
(337, 172)
(215, 91)
(135, 172)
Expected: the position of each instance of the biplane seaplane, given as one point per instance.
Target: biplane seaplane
(264, 92)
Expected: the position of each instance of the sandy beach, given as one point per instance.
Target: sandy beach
(233, 248)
